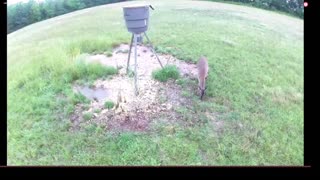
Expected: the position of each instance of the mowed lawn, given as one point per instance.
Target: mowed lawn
(255, 88)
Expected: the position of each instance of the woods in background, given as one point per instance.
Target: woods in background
(293, 7)
(22, 14)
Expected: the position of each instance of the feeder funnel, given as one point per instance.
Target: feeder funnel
(137, 18)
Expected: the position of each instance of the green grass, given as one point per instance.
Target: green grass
(168, 72)
(97, 110)
(108, 104)
(108, 54)
(186, 93)
(91, 71)
(255, 88)
(87, 116)
(130, 73)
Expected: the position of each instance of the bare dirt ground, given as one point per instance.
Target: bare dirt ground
(130, 112)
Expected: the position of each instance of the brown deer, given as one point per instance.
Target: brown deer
(202, 74)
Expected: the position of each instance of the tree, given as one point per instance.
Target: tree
(49, 8)
(11, 17)
(59, 8)
(72, 5)
(43, 12)
(35, 12)
(21, 16)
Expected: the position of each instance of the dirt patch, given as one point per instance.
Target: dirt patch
(131, 112)
(76, 118)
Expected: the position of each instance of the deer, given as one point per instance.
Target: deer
(202, 75)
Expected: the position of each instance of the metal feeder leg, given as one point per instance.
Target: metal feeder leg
(128, 62)
(135, 65)
(153, 49)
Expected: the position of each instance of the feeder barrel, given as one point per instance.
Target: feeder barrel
(137, 18)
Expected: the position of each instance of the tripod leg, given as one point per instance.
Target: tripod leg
(135, 65)
(128, 62)
(153, 49)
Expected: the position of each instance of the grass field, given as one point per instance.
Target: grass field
(255, 87)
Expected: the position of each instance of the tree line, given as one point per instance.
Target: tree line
(293, 7)
(22, 14)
